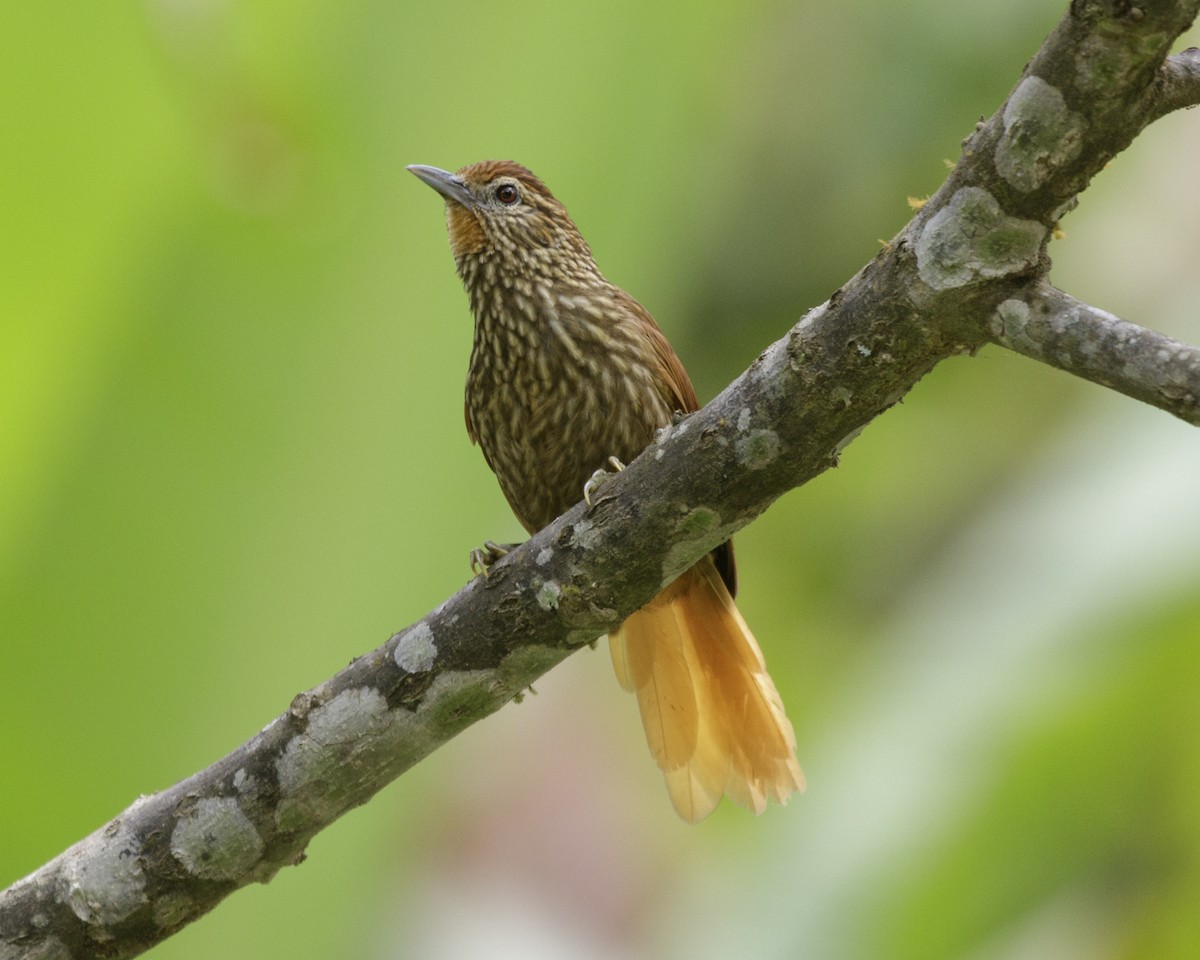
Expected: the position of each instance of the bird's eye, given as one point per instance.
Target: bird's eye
(506, 193)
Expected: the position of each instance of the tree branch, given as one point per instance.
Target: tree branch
(1179, 86)
(947, 284)
(1050, 326)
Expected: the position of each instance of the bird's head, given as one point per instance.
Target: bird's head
(497, 208)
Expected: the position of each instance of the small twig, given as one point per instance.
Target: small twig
(1179, 83)
(1050, 326)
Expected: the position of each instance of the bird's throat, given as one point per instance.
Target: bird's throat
(466, 233)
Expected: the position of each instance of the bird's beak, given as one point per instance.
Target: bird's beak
(444, 182)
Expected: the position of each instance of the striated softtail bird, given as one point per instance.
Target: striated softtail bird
(567, 371)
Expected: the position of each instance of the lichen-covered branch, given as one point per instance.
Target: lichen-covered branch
(1050, 326)
(1100, 78)
(950, 282)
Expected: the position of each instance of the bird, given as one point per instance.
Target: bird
(569, 373)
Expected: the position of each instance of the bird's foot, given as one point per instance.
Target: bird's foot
(483, 558)
(599, 478)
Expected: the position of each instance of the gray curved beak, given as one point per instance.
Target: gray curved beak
(444, 182)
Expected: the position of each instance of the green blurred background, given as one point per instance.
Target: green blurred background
(232, 457)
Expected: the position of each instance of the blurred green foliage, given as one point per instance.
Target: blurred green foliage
(232, 457)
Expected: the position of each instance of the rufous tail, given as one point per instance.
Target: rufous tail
(713, 718)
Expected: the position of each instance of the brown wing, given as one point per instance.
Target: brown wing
(682, 396)
(470, 429)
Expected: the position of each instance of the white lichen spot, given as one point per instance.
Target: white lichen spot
(658, 454)
(415, 650)
(315, 760)
(863, 349)
(1041, 134)
(585, 535)
(545, 555)
(215, 840)
(743, 420)
(971, 239)
(701, 530)
(548, 595)
(1011, 321)
(758, 448)
(102, 878)
(354, 744)
(245, 784)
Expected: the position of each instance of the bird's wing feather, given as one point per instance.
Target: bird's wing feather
(680, 395)
(677, 385)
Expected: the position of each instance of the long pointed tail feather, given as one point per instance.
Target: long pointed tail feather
(714, 721)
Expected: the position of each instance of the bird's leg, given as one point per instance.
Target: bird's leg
(483, 558)
(597, 479)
